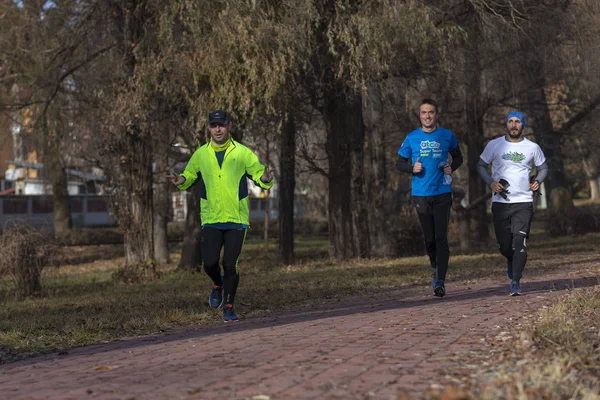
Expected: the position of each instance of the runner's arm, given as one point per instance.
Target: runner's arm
(482, 169)
(403, 165)
(457, 158)
(542, 172)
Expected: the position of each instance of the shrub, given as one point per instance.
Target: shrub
(111, 235)
(25, 253)
(311, 226)
(559, 224)
(175, 230)
(586, 220)
(406, 235)
(91, 236)
(575, 220)
(302, 226)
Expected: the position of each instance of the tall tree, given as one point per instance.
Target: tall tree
(354, 45)
(52, 133)
(41, 45)
(287, 189)
(475, 109)
(330, 49)
(140, 93)
(125, 139)
(376, 173)
(556, 47)
(161, 204)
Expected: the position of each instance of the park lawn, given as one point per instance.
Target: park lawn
(81, 303)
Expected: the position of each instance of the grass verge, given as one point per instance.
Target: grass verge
(556, 357)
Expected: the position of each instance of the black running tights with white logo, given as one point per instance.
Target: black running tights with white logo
(512, 223)
(232, 240)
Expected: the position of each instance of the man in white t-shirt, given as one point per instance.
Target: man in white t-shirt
(512, 157)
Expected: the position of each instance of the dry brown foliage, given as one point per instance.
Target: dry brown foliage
(25, 253)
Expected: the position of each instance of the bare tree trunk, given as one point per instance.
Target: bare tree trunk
(132, 196)
(348, 217)
(266, 222)
(591, 172)
(287, 186)
(550, 142)
(474, 134)
(462, 216)
(191, 252)
(341, 108)
(464, 229)
(360, 208)
(376, 172)
(132, 201)
(590, 168)
(267, 205)
(56, 173)
(161, 205)
(595, 189)
(478, 216)
(340, 224)
(133, 191)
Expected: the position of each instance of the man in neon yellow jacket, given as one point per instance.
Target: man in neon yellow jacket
(221, 167)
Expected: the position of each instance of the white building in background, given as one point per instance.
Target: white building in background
(25, 179)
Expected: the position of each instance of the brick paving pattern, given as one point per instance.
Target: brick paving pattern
(398, 343)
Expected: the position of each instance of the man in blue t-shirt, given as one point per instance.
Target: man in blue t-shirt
(428, 149)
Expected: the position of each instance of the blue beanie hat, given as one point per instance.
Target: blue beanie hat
(518, 115)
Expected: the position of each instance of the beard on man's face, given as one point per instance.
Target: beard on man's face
(515, 133)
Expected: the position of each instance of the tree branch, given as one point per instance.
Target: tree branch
(580, 115)
(72, 70)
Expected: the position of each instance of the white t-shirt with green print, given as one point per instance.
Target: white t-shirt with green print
(513, 162)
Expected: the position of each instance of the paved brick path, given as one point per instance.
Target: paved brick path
(362, 348)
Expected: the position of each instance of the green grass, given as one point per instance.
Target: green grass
(81, 304)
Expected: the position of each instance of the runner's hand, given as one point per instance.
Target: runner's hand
(418, 167)
(176, 179)
(267, 175)
(535, 185)
(497, 187)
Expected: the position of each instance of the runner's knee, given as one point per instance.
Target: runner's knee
(230, 270)
(210, 262)
(506, 250)
(441, 241)
(520, 243)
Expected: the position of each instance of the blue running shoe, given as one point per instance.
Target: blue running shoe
(515, 288)
(229, 314)
(509, 270)
(439, 289)
(434, 278)
(215, 298)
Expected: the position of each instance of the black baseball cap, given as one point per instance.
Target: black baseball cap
(218, 117)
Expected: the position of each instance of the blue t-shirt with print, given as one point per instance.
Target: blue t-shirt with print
(431, 148)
